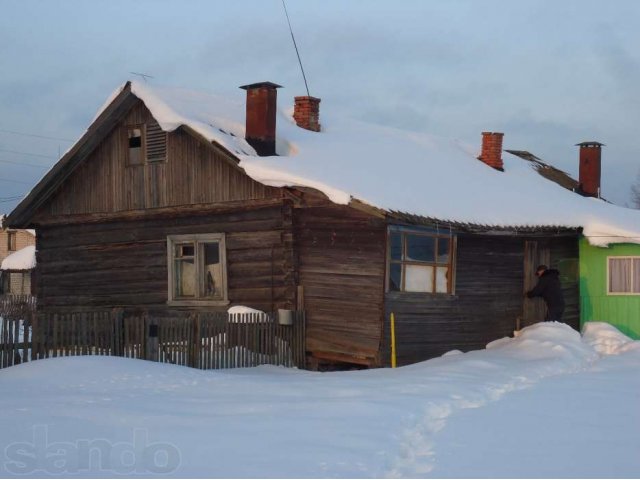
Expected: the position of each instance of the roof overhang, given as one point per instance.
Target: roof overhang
(22, 215)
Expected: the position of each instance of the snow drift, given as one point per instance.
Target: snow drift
(273, 422)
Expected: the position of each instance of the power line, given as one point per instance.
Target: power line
(9, 180)
(8, 199)
(24, 163)
(296, 47)
(29, 154)
(35, 135)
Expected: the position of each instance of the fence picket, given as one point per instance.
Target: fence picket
(212, 340)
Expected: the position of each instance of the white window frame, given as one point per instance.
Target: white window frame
(453, 246)
(143, 144)
(622, 257)
(197, 239)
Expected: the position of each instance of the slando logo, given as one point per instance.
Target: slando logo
(91, 455)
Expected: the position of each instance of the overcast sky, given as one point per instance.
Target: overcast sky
(549, 74)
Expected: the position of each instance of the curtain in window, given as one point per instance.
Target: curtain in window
(620, 275)
(636, 275)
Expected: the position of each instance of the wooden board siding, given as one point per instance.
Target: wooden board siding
(536, 252)
(124, 263)
(486, 304)
(565, 257)
(488, 298)
(194, 172)
(341, 256)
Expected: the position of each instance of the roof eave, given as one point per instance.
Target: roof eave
(22, 215)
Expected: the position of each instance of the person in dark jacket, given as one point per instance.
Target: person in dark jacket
(550, 290)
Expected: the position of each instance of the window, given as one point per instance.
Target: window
(197, 269)
(623, 275)
(420, 262)
(135, 145)
(11, 241)
(146, 143)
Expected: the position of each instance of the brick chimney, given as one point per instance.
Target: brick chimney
(306, 113)
(492, 150)
(261, 117)
(590, 162)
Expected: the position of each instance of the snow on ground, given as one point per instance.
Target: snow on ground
(545, 403)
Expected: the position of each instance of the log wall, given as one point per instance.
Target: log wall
(487, 301)
(487, 304)
(124, 263)
(341, 256)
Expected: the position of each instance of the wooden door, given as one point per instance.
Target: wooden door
(535, 253)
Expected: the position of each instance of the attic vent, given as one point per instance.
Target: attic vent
(156, 142)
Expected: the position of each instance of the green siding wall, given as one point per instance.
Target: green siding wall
(621, 311)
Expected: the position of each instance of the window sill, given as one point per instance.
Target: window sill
(198, 303)
(396, 293)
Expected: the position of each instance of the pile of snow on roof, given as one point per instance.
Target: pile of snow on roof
(23, 259)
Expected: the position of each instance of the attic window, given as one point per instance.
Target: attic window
(420, 262)
(135, 145)
(146, 143)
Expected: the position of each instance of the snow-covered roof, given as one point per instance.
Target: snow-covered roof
(391, 169)
(23, 259)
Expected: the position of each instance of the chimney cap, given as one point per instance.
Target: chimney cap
(590, 144)
(261, 85)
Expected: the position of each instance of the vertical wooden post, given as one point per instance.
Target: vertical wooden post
(4, 339)
(27, 327)
(196, 360)
(151, 339)
(56, 323)
(118, 327)
(393, 340)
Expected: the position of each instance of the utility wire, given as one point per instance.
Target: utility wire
(24, 163)
(35, 136)
(296, 47)
(8, 199)
(26, 153)
(9, 180)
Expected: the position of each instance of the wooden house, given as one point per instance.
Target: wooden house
(610, 273)
(15, 281)
(173, 201)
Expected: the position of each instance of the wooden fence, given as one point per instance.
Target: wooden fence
(203, 340)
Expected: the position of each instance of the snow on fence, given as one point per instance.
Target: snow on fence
(202, 340)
